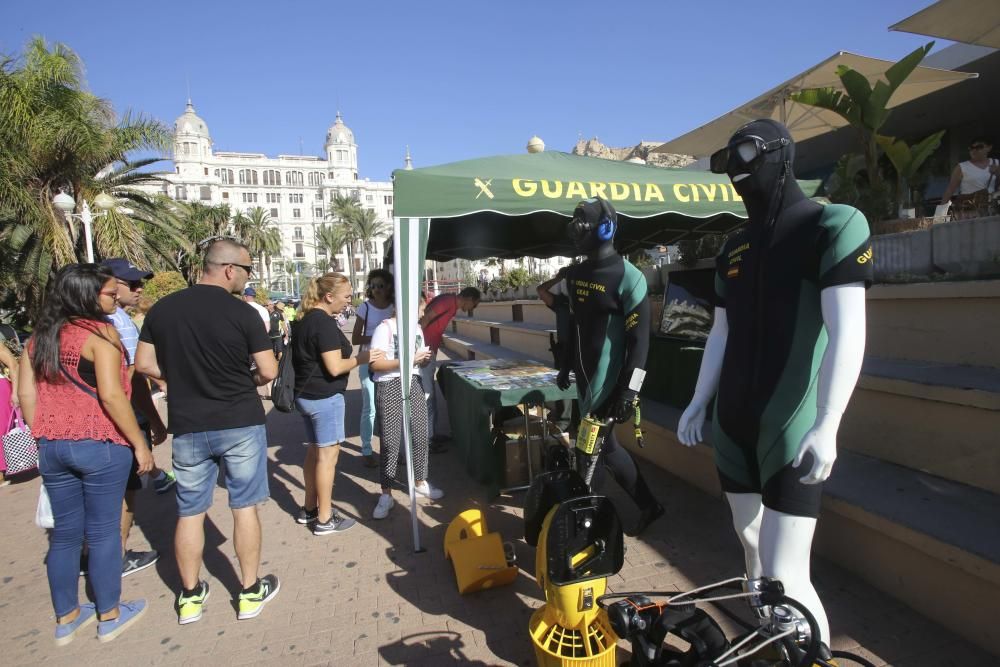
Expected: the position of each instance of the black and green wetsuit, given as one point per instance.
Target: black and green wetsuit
(611, 313)
(769, 281)
(605, 339)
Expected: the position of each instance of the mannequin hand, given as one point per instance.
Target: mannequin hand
(821, 441)
(690, 425)
(624, 407)
(562, 380)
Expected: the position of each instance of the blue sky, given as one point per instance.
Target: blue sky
(454, 80)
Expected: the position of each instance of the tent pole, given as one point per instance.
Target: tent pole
(408, 449)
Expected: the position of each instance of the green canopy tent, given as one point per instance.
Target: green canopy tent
(518, 205)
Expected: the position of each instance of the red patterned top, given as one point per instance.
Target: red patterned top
(64, 411)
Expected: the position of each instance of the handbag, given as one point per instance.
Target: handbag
(19, 446)
(975, 202)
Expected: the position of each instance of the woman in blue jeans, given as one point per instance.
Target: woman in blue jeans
(377, 307)
(74, 393)
(321, 356)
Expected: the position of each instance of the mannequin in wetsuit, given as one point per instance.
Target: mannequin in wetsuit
(783, 356)
(607, 342)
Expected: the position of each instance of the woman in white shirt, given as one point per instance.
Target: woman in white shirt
(979, 173)
(389, 399)
(377, 307)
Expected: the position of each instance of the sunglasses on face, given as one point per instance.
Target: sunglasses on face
(377, 285)
(246, 267)
(745, 149)
(976, 147)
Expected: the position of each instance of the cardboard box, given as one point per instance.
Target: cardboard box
(516, 473)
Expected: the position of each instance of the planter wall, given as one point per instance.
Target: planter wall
(969, 248)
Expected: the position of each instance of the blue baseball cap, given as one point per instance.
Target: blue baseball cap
(126, 270)
(249, 292)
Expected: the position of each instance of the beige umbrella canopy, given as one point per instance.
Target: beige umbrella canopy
(805, 121)
(967, 21)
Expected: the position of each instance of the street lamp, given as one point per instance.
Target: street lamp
(65, 203)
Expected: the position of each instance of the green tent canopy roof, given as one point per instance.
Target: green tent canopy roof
(518, 205)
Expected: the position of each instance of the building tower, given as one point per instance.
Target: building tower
(192, 145)
(341, 153)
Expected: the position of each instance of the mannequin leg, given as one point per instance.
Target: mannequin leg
(747, 514)
(785, 547)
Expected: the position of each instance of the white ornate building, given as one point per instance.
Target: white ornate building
(295, 189)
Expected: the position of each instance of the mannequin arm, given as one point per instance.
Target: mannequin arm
(690, 426)
(843, 309)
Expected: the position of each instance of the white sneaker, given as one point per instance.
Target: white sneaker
(385, 503)
(424, 488)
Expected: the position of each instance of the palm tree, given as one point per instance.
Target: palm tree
(261, 238)
(367, 228)
(331, 239)
(342, 212)
(56, 136)
(198, 223)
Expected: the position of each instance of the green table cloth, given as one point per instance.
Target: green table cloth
(470, 406)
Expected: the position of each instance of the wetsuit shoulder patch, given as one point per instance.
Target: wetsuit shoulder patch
(845, 252)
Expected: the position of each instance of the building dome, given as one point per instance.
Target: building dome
(535, 145)
(190, 123)
(339, 133)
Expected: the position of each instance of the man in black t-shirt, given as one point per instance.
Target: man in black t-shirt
(201, 341)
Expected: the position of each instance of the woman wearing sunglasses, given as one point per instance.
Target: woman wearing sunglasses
(377, 307)
(74, 392)
(973, 181)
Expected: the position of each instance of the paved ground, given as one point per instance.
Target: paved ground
(364, 597)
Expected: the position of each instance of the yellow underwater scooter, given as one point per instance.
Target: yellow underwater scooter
(579, 545)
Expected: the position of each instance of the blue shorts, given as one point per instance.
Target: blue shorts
(196, 458)
(324, 419)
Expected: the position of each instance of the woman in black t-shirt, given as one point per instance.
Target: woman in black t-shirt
(321, 356)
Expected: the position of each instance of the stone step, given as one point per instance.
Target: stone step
(939, 418)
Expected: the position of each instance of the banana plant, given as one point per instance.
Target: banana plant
(907, 160)
(863, 106)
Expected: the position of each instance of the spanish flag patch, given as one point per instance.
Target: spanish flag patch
(733, 272)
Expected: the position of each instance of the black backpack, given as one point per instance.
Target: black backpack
(283, 387)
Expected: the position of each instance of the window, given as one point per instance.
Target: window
(274, 213)
(296, 213)
(319, 195)
(318, 212)
(180, 192)
(296, 198)
(390, 213)
(248, 177)
(369, 198)
(225, 195)
(388, 200)
(249, 197)
(225, 175)
(341, 155)
(321, 251)
(206, 192)
(299, 251)
(272, 177)
(294, 178)
(315, 178)
(206, 171)
(298, 233)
